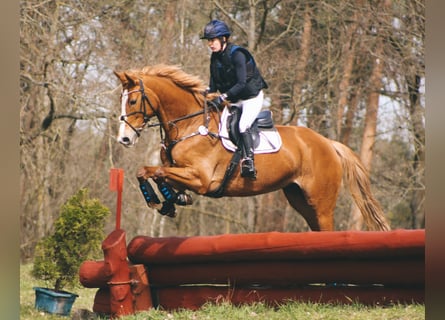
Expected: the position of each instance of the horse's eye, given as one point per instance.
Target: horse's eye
(132, 102)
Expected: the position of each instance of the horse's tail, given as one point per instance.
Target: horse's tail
(357, 178)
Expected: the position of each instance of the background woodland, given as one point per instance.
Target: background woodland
(351, 70)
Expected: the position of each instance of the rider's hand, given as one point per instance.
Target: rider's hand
(219, 99)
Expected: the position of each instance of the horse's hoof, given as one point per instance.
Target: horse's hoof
(168, 209)
(184, 199)
(171, 214)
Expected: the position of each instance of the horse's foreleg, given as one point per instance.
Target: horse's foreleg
(181, 178)
(166, 187)
(148, 192)
(171, 195)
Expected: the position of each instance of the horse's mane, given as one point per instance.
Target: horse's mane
(177, 75)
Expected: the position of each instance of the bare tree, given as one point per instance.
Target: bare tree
(319, 59)
(302, 61)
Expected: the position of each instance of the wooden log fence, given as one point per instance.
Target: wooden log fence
(376, 268)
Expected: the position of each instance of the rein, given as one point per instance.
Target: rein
(203, 130)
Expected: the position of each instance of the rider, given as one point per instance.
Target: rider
(234, 74)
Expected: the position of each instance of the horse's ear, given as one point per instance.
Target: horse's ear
(130, 80)
(120, 76)
(127, 81)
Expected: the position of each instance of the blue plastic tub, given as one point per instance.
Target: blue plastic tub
(54, 302)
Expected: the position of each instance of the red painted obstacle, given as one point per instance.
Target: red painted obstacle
(123, 287)
(186, 272)
(367, 267)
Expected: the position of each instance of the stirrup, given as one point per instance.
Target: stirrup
(248, 169)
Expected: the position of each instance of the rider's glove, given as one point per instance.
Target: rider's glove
(219, 99)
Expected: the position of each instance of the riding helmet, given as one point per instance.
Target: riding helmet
(216, 29)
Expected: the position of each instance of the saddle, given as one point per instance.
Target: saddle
(265, 136)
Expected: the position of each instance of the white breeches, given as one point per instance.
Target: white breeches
(251, 108)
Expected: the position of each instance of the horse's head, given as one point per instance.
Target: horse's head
(136, 108)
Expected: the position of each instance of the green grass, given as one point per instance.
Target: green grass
(291, 310)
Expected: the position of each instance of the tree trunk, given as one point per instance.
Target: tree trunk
(345, 82)
(352, 108)
(168, 33)
(271, 213)
(302, 63)
(252, 26)
(418, 192)
(370, 129)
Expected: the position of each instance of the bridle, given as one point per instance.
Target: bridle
(143, 110)
(202, 130)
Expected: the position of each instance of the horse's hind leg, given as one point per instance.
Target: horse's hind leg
(317, 221)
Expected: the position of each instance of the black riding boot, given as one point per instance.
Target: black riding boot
(247, 164)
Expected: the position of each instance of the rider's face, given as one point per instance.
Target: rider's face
(214, 44)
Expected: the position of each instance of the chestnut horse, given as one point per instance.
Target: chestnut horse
(309, 168)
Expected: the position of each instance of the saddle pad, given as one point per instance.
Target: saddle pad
(270, 140)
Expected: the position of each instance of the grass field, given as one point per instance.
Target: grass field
(291, 310)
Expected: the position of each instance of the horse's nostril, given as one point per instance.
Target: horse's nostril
(124, 140)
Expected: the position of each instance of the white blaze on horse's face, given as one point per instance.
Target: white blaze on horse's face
(127, 135)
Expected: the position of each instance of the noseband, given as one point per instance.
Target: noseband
(143, 110)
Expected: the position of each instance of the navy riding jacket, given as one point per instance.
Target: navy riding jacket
(234, 72)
